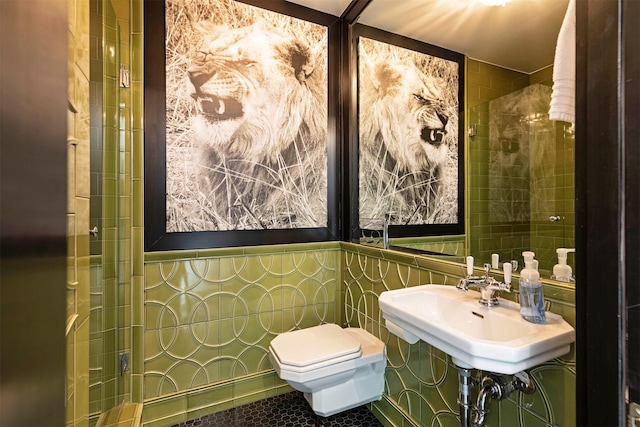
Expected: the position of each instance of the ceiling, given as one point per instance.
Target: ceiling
(520, 35)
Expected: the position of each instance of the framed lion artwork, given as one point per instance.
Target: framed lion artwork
(238, 147)
(410, 135)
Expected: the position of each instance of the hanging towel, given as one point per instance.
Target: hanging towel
(563, 97)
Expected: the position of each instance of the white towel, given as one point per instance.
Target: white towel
(563, 97)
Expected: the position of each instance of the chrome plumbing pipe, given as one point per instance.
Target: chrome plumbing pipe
(493, 387)
(464, 396)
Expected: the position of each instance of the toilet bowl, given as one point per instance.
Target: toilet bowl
(336, 369)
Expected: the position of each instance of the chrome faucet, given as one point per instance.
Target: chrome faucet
(487, 285)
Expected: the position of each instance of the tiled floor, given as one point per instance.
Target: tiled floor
(285, 410)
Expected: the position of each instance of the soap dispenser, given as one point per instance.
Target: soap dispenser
(562, 271)
(531, 295)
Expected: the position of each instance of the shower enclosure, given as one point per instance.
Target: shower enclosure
(109, 339)
(522, 186)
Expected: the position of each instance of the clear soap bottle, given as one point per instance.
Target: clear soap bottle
(531, 295)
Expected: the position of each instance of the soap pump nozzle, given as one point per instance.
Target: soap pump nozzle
(562, 271)
(528, 259)
(562, 255)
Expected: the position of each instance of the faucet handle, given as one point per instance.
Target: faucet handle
(487, 268)
(506, 268)
(469, 266)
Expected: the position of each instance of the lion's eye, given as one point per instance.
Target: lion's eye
(247, 63)
(420, 98)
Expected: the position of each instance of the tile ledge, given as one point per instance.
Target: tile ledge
(124, 415)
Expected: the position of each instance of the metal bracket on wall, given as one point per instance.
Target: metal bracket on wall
(124, 363)
(125, 78)
(634, 415)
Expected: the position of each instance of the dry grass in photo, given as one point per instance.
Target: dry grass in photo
(246, 147)
(408, 126)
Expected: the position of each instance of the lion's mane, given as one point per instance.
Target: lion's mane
(261, 121)
(404, 139)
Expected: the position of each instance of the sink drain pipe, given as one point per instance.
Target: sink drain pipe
(493, 387)
(464, 396)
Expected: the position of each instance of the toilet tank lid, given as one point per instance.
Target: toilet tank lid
(314, 345)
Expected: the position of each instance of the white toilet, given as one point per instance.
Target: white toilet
(336, 368)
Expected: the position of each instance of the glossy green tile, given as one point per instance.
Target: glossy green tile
(250, 360)
(529, 419)
(309, 247)
(307, 292)
(255, 269)
(277, 325)
(250, 398)
(257, 383)
(255, 299)
(556, 385)
(109, 391)
(478, 79)
(320, 313)
(169, 410)
(210, 396)
(251, 330)
(167, 421)
(300, 318)
(446, 419)
(251, 314)
(387, 413)
(226, 334)
(181, 342)
(425, 278)
(227, 272)
(300, 262)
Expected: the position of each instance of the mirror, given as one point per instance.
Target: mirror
(519, 188)
(521, 179)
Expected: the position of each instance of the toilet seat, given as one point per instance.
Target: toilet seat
(336, 369)
(313, 348)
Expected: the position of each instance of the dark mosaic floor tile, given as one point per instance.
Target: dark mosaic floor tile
(285, 410)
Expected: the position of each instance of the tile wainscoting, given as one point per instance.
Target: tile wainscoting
(210, 315)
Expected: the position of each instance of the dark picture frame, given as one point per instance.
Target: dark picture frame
(157, 236)
(394, 62)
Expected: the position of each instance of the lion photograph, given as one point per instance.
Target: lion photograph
(408, 129)
(246, 118)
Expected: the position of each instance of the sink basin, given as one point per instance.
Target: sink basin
(495, 339)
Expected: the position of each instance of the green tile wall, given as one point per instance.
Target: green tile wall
(421, 381)
(450, 245)
(485, 83)
(123, 153)
(209, 319)
(115, 268)
(136, 206)
(97, 312)
(110, 206)
(563, 170)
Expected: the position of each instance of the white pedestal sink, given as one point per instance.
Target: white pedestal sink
(495, 339)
